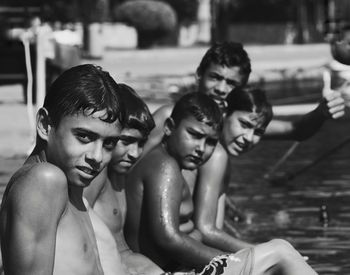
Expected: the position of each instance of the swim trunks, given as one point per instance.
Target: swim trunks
(240, 263)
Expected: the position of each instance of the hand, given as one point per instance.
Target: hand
(335, 104)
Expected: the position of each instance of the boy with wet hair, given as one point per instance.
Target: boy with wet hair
(44, 225)
(106, 194)
(161, 225)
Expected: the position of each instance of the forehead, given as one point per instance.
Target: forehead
(192, 123)
(91, 122)
(257, 119)
(230, 72)
(131, 132)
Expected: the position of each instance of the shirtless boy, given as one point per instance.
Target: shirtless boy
(106, 194)
(160, 224)
(247, 115)
(44, 226)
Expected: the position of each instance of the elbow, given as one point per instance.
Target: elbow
(207, 231)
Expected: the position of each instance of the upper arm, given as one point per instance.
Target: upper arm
(156, 135)
(163, 198)
(34, 207)
(209, 187)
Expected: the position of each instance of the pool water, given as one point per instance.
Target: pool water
(291, 209)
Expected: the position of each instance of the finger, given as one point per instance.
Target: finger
(337, 114)
(333, 95)
(336, 102)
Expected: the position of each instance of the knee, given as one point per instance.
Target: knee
(282, 249)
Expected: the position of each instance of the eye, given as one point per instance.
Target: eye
(196, 135)
(142, 143)
(110, 143)
(259, 132)
(232, 83)
(245, 124)
(212, 141)
(84, 138)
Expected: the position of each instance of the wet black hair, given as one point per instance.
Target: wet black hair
(137, 114)
(87, 89)
(200, 106)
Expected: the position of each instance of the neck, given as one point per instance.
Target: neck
(75, 194)
(117, 180)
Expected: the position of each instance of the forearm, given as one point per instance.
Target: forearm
(300, 128)
(221, 240)
(306, 126)
(190, 252)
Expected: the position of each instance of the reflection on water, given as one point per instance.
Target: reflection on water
(291, 210)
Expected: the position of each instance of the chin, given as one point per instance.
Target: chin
(190, 166)
(233, 152)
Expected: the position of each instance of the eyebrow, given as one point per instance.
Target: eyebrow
(92, 133)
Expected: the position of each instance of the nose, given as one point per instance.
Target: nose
(249, 135)
(200, 147)
(222, 89)
(95, 156)
(134, 152)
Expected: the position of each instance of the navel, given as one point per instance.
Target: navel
(115, 211)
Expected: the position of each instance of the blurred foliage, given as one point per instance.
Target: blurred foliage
(152, 19)
(186, 10)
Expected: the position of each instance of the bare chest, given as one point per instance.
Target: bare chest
(76, 251)
(111, 207)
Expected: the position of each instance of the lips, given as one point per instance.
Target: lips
(88, 172)
(195, 159)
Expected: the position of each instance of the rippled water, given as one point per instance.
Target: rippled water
(291, 209)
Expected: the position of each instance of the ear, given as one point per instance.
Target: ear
(43, 123)
(169, 126)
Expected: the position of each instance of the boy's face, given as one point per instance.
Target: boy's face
(218, 81)
(242, 131)
(128, 150)
(192, 142)
(82, 145)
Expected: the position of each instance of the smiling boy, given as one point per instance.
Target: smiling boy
(45, 228)
(106, 194)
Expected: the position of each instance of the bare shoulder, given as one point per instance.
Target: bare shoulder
(158, 164)
(38, 184)
(219, 156)
(164, 110)
(162, 113)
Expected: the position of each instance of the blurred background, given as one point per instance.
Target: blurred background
(155, 46)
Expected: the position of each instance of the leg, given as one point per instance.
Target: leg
(279, 257)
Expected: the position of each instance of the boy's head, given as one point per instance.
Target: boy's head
(192, 131)
(247, 115)
(224, 67)
(80, 122)
(138, 123)
(340, 48)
